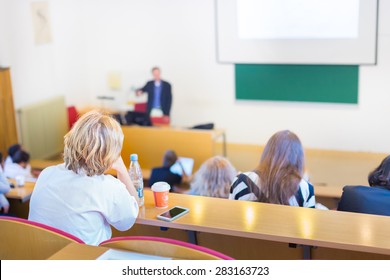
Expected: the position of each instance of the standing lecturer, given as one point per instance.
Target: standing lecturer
(159, 94)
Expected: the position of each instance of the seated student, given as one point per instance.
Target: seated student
(11, 152)
(19, 167)
(278, 179)
(10, 163)
(77, 197)
(370, 200)
(164, 173)
(213, 178)
(4, 188)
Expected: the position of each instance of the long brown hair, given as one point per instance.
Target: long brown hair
(281, 168)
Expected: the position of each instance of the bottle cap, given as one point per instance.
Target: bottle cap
(134, 157)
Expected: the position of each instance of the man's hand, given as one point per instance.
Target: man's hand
(138, 92)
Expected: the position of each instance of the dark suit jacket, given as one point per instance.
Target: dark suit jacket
(369, 200)
(164, 174)
(166, 96)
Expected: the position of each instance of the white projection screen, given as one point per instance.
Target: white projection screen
(297, 31)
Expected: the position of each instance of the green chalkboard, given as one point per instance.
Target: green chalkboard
(308, 83)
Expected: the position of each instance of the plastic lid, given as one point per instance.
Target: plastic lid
(133, 157)
(161, 187)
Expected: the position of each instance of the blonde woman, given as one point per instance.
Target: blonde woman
(278, 179)
(213, 178)
(76, 196)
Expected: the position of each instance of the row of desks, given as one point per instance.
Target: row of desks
(309, 227)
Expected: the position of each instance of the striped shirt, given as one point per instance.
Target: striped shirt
(246, 187)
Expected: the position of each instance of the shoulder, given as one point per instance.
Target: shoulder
(306, 188)
(157, 170)
(243, 185)
(149, 84)
(55, 170)
(306, 191)
(243, 178)
(165, 83)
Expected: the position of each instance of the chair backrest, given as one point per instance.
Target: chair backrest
(369, 200)
(72, 116)
(164, 247)
(21, 239)
(140, 107)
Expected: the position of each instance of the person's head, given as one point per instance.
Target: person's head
(281, 167)
(170, 158)
(156, 72)
(13, 149)
(22, 158)
(93, 144)
(214, 178)
(380, 176)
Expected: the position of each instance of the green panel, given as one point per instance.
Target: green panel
(310, 83)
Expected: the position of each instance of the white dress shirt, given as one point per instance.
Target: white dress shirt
(4, 188)
(12, 170)
(84, 206)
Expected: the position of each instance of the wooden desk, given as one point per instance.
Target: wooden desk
(21, 193)
(328, 191)
(151, 143)
(329, 229)
(75, 251)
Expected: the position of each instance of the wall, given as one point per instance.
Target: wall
(43, 71)
(179, 35)
(129, 37)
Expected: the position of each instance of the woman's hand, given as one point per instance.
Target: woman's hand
(119, 165)
(124, 177)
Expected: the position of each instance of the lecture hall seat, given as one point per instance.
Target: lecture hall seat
(26, 240)
(72, 116)
(164, 247)
(140, 107)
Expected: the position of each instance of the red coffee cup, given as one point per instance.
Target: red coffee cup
(161, 194)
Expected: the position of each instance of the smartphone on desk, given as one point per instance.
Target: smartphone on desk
(173, 213)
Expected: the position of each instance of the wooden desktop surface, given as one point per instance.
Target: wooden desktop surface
(328, 191)
(21, 193)
(75, 251)
(330, 229)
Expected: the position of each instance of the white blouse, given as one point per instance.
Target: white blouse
(82, 205)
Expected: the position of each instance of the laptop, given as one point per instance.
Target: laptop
(139, 118)
(187, 163)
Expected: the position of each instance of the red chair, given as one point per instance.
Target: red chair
(161, 121)
(164, 247)
(140, 107)
(72, 116)
(21, 239)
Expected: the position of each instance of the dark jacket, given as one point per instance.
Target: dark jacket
(164, 174)
(166, 96)
(369, 200)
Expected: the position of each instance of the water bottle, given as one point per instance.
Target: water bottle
(136, 177)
